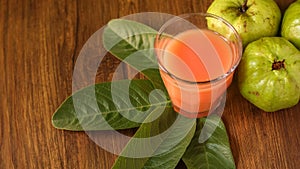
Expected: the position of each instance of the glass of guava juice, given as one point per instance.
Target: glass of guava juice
(197, 55)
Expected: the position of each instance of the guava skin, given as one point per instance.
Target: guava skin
(290, 27)
(252, 19)
(269, 74)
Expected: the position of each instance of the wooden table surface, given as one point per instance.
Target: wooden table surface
(40, 41)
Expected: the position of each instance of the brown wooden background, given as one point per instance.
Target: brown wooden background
(39, 43)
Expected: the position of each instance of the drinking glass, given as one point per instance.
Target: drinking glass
(197, 55)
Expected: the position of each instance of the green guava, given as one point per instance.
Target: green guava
(269, 74)
(290, 27)
(252, 19)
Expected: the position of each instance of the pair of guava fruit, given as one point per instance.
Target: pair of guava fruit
(269, 71)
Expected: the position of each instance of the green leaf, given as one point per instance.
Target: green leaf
(214, 153)
(108, 106)
(133, 43)
(158, 144)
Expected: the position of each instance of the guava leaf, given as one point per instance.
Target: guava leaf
(82, 111)
(133, 43)
(158, 144)
(215, 152)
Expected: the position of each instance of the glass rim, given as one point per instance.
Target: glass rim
(218, 78)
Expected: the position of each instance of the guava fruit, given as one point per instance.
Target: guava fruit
(269, 74)
(252, 19)
(290, 27)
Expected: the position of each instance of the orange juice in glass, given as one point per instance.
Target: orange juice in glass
(197, 61)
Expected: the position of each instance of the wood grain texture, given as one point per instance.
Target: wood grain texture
(39, 44)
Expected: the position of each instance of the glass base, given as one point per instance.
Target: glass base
(216, 108)
(190, 114)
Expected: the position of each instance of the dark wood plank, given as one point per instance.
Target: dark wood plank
(40, 42)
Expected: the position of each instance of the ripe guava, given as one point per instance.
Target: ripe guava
(252, 19)
(290, 27)
(269, 74)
